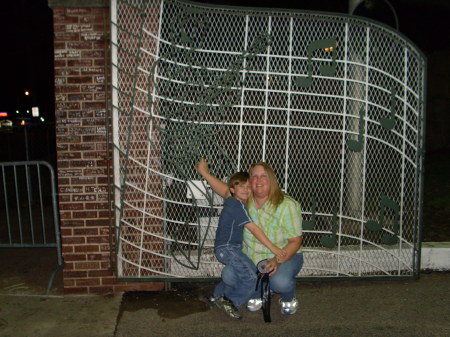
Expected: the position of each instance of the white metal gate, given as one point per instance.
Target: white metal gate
(334, 103)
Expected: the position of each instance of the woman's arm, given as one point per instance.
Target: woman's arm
(216, 184)
(291, 249)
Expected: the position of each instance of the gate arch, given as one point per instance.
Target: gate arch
(334, 102)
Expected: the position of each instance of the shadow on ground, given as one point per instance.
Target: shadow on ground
(27, 271)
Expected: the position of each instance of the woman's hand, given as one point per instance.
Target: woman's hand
(279, 253)
(202, 167)
(272, 266)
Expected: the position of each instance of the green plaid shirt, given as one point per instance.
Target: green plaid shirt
(279, 225)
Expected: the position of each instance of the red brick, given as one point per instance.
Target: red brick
(62, 147)
(64, 198)
(74, 223)
(68, 156)
(74, 273)
(91, 19)
(79, 45)
(65, 215)
(68, 106)
(96, 189)
(83, 180)
(71, 189)
(68, 283)
(64, 36)
(67, 88)
(59, 11)
(99, 62)
(68, 139)
(88, 282)
(78, 11)
(98, 239)
(68, 265)
(67, 72)
(80, 114)
(82, 163)
(85, 231)
(100, 273)
(73, 240)
(81, 79)
(86, 248)
(97, 205)
(103, 214)
(85, 215)
(94, 105)
(60, 63)
(93, 54)
(85, 197)
(79, 97)
(61, 180)
(98, 222)
(63, 20)
(82, 147)
(87, 265)
(74, 257)
(71, 206)
(70, 172)
(101, 290)
(108, 280)
(79, 63)
(96, 257)
(90, 139)
(66, 231)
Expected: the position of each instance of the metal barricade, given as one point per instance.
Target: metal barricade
(28, 208)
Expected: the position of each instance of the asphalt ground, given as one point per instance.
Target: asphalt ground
(388, 307)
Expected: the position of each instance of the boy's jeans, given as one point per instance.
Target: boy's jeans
(243, 282)
(283, 282)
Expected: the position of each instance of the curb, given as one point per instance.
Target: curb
(435, 256)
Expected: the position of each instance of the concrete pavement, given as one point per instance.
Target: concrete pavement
(327, 308)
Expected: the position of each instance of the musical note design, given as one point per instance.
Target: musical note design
(310, 224)
(389, 122)
(357, 145)
(376, 226)
(326, 70)
(330, 241)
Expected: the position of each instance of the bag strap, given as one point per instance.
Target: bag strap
(265, 296)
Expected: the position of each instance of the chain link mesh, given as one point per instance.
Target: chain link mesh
(334, 103)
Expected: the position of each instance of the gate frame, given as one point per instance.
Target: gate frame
(57, 243)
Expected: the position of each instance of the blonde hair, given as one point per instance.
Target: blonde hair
(276, 195)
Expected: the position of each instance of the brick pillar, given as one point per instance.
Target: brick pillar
(82, 83)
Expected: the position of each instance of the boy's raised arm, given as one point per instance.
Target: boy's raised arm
(216, 184)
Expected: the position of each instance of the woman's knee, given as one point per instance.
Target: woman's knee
(282, 283)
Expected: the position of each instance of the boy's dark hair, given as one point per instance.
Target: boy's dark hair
(237, 178)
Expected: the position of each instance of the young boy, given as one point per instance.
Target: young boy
(228, 246)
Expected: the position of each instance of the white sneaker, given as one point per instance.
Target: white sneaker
(254, 304)
(289, 308)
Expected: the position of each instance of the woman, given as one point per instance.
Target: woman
(279, 216)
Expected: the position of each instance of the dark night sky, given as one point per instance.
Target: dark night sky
(26, 34)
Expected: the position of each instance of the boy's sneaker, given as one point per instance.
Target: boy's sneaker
(226, 305)
(289, 308)
(254, 304)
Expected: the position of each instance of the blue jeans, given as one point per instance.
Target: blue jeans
(240, 288)
(283, 282)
